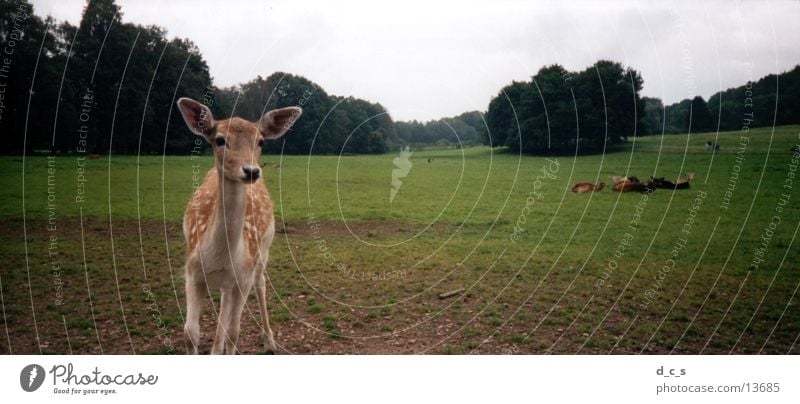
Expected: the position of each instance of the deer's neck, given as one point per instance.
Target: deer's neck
(229, 214)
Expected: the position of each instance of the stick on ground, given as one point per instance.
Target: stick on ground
(451, 293)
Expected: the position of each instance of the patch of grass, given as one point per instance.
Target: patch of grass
(470, 332)
(280, 316)
(517, 339)
(448, 349)
(80, 323)
(494, 321)
(469, 345)
(329, 322)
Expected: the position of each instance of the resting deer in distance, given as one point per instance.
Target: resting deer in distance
(229, 223)
(681, 183)
(630, 184)
(587, 187)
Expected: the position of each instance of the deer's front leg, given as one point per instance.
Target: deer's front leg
(266, 330)
(219, 337)
(233, 316)
(194, 305)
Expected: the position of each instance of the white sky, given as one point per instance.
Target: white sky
(429, 59)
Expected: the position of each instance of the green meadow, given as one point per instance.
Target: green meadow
(93, 248)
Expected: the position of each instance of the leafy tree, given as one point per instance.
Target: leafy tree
(677, 117)
(103, 86)
(501, 117)
(466, 129)
(477, 122)
(329, 125)
(653, 116)
(773, 99)
(23, 34)
(562, 112)
(701, 116)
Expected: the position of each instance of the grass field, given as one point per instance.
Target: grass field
(543, 270)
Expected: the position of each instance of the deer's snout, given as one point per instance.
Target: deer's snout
(251, 173)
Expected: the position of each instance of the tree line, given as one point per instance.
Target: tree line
(770, 99)
(104, 85)
(466, 129)
(330, 124)
(110, 86)
(342, 125)
(559, 111)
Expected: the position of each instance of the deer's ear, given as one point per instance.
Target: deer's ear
(276, 123)
(198, 117)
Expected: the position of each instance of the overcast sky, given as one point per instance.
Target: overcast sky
(429, 59)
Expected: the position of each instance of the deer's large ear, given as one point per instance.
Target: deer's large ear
(275, 123)
(198, 117)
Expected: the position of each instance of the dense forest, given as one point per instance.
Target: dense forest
(773, 99)
(102, 86)
(330, 124)
(558, 111)
(110, 86)
(466, 129)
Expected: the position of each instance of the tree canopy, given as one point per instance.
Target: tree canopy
(330, 124)
(559, 111)
(466, 129)
(104, 86)
(772, 99)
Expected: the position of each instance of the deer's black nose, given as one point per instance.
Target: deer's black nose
(251, 172)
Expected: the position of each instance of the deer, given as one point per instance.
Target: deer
(229, 223)
(712, 147)
(630, 184)
(587, 187)
(683, 182)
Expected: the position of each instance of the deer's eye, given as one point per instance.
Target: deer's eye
(220, 141)
(260, 142)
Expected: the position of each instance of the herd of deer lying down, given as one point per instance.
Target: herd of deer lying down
(632, 184)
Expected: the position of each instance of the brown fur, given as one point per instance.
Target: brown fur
(199, 215)
(587, 187)
(629, 184)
